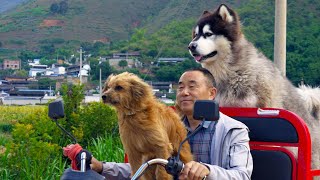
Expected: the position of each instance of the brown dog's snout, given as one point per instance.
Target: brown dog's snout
(104, 97)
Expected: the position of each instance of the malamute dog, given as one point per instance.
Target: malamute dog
(245, 77)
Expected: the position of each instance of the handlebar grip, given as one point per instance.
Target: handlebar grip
(87, 161)
(174, 166)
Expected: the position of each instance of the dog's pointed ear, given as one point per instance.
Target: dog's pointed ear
(225, 13)
(205, 13)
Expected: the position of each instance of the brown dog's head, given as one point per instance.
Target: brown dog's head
(127, 92)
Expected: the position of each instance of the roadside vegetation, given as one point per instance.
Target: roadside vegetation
(31, 143)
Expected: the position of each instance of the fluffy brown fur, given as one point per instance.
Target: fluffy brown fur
(245, 77)
(148, 128)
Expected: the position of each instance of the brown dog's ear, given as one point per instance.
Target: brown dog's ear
(138, 89)
(106, 83)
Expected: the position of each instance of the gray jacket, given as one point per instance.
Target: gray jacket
(230, 152)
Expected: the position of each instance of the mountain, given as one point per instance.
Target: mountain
(9, 4)
(105, 20)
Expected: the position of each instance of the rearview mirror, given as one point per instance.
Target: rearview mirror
(206, 110)
(56, 110)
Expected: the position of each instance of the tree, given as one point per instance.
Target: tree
(63, 7)
(123, 63)
(72, 96)
(21, 73)
(46, 83)
(54, 8)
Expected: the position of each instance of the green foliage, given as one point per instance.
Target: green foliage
(60, 8)
(172, 73)
(107, 148)
(34, 144)
(46, 83)
(123, 63)
(106, 69)
(48, 62)
(72, 96)
(21, 73)
(6, 72)
(97, 119)
(34, 151)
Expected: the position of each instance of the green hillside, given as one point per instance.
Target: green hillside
(84, 20)
(157, 28)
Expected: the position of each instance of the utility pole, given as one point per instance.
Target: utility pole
(100, 87)
(280, 26)
(80, 64)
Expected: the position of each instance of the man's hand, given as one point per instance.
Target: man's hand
(194, 171)
(71, 151)
(96, 165)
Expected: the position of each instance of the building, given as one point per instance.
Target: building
(132, 63)
(35, 69)
(171, 60)
(161, 86)
(58, 70)
(126, 55)
(11, 64)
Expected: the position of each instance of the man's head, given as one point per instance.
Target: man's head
(195, 84)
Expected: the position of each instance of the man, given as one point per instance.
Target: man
(221, 148)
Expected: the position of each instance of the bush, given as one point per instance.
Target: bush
(95, 120)
(35, 146)
(107, 148)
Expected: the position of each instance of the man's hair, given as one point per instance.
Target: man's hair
(210, 79)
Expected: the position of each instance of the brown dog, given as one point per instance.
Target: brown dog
(148, 128)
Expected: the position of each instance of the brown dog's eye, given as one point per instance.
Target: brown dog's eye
(118, 88)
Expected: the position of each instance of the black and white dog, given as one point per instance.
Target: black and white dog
(245, 77)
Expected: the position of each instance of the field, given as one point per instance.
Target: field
(31, 144)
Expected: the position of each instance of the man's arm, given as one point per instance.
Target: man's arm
(116, 171)
(238, 163)
(112, 170)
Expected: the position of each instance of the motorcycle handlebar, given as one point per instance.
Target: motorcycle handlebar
(172, 166)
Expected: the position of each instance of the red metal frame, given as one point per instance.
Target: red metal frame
(303, 162)
(282, 149)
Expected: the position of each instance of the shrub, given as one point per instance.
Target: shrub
(107, 148)
(34, 148)
(96, 119)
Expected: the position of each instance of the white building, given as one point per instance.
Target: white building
(37, 69)
(59, 70)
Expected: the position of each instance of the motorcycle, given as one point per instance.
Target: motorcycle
(204, 110)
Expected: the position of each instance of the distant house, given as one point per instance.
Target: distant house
(11, 64)
(126, 55)
(35, 69)
(171, 60)
(74, 70)
(58, 70)
(132, 63)
(161, 86)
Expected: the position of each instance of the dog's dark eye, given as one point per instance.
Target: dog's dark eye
(118, 88)
(208, 34)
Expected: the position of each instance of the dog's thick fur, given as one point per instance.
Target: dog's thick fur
(245, 77)
(148, 128)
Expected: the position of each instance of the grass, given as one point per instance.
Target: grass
(107, 148)
(22, 157)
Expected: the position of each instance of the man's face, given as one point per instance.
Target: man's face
(193, 86)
